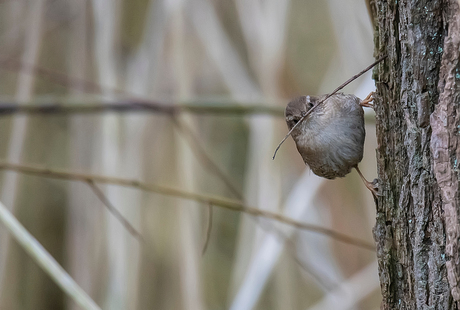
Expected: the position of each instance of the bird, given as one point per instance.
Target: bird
(331, 138)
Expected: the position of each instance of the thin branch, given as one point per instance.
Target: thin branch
(208, 230)
(65, 107)
(115, 212)
(327, 96)
(69, 107)
(222, 202)
(133, 104)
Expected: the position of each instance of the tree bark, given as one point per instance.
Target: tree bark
(417, 112)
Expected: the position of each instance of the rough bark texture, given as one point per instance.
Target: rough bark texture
(445, 124)
(417, 154)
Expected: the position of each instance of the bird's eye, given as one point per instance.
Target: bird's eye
(293, 122)
(309, 102)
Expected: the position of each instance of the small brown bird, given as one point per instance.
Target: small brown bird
(330, 139)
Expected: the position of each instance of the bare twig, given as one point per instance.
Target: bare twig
(222, 202)
(327, 96)
(208, 230)
(68, 107)
(132, 104)
(65, 107)
(115, 212)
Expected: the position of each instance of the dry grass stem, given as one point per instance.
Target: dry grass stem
(45, 260)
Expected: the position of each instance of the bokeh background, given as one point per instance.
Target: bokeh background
(206, 52)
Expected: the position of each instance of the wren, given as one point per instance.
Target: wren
(331, 138)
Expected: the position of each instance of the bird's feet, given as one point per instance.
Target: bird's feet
(367, 101)
(372, 186)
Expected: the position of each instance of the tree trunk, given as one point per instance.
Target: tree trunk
(418, 120)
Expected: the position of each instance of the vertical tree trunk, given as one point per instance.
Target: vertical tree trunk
(418, 120)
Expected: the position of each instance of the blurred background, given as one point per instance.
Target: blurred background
(178, 52)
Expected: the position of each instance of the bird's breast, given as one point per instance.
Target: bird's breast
(333, 148)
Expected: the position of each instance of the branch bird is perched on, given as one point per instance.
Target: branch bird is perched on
(330, 139)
